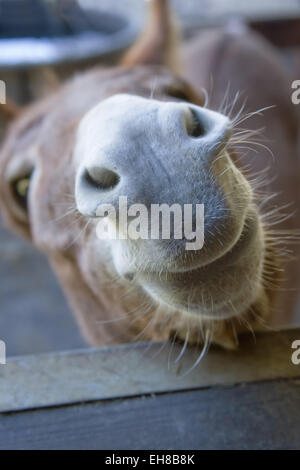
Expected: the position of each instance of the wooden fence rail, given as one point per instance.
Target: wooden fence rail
(138, 397)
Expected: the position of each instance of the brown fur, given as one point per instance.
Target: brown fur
(250, 65)
(44, 136)
(155, 44)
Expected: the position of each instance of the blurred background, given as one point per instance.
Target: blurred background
(41, 40)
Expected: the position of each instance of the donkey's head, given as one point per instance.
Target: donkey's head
(139, 132)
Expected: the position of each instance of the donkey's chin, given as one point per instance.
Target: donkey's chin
(223, 289)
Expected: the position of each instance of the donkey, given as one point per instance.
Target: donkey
(145, 129)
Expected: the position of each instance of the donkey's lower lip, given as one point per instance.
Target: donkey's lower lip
(233, 254)
(185, 290)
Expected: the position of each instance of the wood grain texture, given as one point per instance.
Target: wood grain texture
(142, 368)
(135, 397)
(252, 416)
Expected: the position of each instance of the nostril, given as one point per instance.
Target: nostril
(195, 127)
(101, 178)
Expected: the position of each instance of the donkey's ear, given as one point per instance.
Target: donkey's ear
(157, 41)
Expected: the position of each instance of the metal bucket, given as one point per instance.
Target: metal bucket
(56, 33)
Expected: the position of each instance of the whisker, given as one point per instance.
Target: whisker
(200, 357)
(183, 349)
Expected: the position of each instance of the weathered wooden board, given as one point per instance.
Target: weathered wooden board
(122, 371)
(137, 397)
(264, 415)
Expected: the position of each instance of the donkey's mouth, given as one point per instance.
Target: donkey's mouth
(232, 255)
(232, 281)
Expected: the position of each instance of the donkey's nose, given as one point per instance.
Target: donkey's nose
(101, 178)
(139, 148)
(95, 184)
(209, 128)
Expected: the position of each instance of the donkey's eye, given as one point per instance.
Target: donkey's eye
(20, 188)
(185, 93)
(177, 92)
(18, 176)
